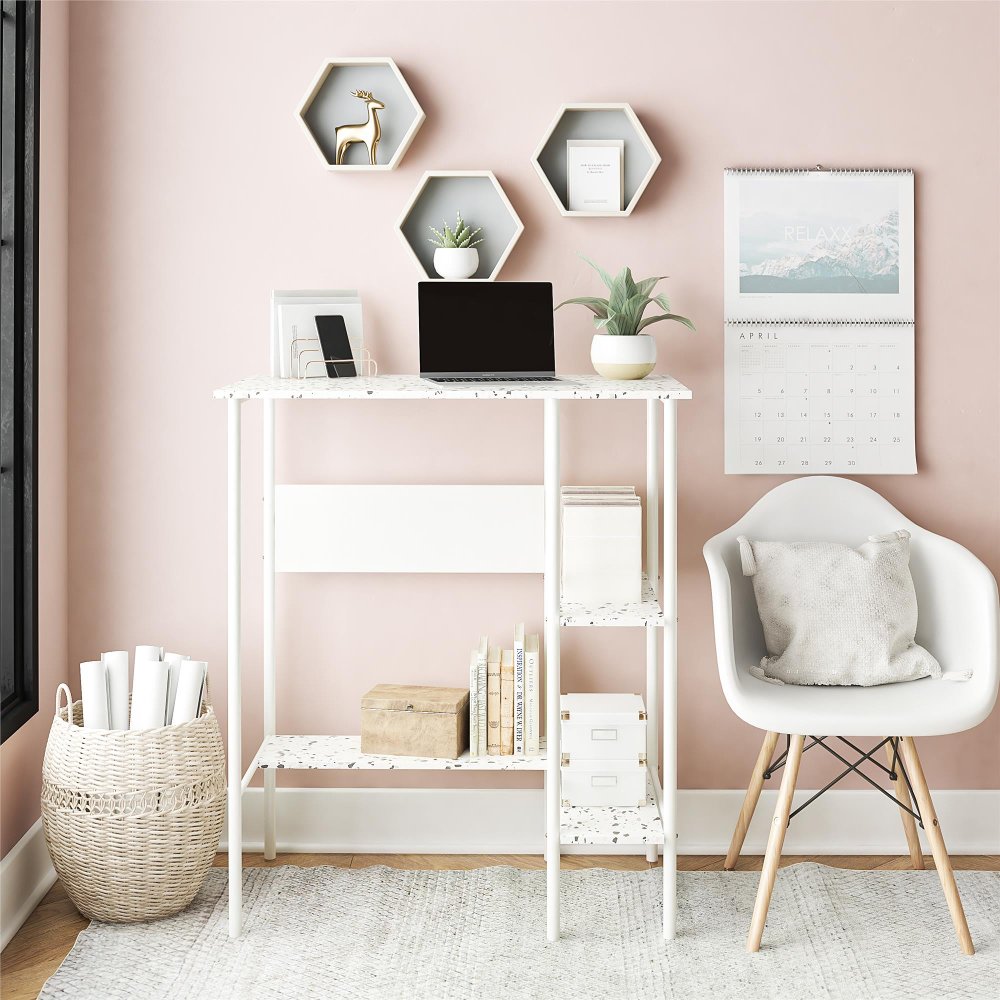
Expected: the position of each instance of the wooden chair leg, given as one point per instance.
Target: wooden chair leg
(750, 802)
(933, 830)
(909, 823)
(775, 842)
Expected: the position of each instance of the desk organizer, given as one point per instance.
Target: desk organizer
(306, 360)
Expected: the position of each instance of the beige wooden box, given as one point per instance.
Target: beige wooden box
(413, 720)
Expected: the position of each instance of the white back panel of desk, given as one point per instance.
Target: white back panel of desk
(409, 529)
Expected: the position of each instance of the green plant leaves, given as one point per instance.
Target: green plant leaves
(621, 313)
(645, 286)
(622, 287)
(605, 277)
(599, 307)
(462, 237)
(662, 316)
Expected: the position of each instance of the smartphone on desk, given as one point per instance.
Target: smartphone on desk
(336, 346)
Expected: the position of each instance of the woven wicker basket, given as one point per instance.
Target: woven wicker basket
(132, 819)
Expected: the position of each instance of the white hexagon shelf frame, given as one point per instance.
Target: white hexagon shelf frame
(365, 73)
(502, 227)
(628, 127)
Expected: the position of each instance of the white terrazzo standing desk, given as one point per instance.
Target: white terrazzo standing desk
(649, 825)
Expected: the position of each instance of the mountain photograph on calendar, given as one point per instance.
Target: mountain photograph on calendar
(836, 237)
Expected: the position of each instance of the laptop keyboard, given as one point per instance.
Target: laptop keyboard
(495, 378)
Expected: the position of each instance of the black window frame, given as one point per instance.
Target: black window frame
(19, 67)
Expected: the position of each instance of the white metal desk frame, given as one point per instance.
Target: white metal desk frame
(654, 390)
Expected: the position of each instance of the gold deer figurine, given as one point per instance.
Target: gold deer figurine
(368, 132)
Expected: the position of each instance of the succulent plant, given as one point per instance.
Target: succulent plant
(461, 238)
(621, 313)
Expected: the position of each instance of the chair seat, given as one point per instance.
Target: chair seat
(927, 707)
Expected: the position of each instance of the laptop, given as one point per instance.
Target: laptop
(486, 331)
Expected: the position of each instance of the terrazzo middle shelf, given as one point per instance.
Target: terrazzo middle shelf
(646, 612)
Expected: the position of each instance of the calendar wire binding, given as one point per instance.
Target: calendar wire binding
(800, 171)
(819, 322)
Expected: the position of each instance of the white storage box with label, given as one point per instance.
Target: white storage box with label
(601, 547)
(604, 783)
(603, 727)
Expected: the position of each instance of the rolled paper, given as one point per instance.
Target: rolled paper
(189, 688)
(149, 694)
(94, 691)
(116, 663)
(173, 662)
(148, 653)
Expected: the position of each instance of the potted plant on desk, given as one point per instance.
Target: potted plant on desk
(456, 255)
(620, 349)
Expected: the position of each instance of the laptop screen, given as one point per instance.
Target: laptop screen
(486, 327)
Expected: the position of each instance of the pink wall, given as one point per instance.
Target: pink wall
(21, 757)
(193, 192)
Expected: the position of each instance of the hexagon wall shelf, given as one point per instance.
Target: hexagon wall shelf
(596, 121)
(477, 194)
(330, 103)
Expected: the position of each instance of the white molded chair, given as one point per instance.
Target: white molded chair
(958, 619)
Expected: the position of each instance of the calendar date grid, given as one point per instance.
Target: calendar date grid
(822, 407)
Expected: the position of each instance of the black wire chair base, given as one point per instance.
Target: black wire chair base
(894, 771)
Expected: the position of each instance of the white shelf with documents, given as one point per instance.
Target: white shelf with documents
(459, 535)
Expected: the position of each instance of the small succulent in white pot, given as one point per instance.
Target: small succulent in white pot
(456, 255)
(620, 349)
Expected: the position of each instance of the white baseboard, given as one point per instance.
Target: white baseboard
(511, 821)
(26, 875)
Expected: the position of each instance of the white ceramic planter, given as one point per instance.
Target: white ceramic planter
(623, 357)
(456, 262)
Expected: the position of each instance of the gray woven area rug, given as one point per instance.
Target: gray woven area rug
(376, 933)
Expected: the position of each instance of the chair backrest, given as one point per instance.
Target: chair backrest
(956, 594)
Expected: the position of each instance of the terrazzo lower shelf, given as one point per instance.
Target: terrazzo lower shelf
(646, 613)
(342, 753)
(619, 825)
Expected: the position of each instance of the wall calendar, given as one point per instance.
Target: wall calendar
(819, 326)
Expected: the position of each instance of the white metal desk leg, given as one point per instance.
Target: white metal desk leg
(552, 686)
(653, 573)
(235, 796)
(270, 774)
(669, 669)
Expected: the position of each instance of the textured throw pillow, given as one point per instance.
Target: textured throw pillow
(837, 615)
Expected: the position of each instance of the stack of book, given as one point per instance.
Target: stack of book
(504, 685)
